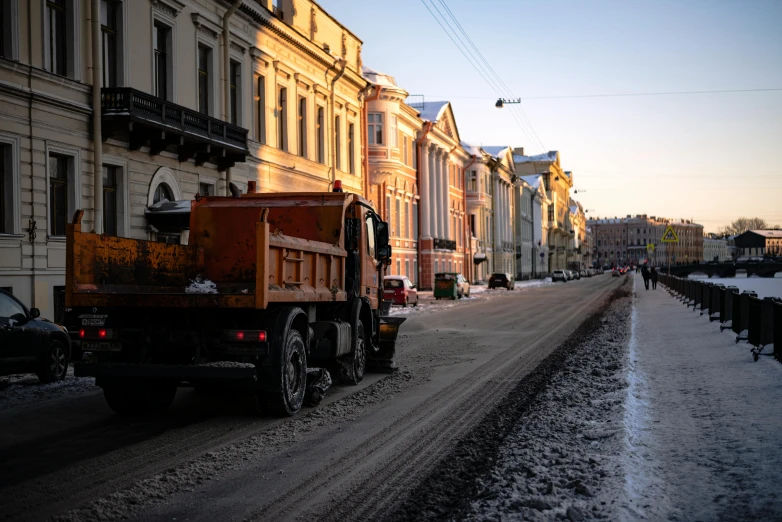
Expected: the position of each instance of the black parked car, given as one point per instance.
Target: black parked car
(500, 280)
(29, 343)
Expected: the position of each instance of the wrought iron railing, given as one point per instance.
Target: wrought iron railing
(136, 104)
(278, 12)
(444, 244)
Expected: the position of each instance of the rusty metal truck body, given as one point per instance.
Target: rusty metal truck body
(268, 285)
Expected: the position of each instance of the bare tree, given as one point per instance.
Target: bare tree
(743, 224)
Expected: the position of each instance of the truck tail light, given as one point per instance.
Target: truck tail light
(102, 333)
(244, 336)
(82, 333)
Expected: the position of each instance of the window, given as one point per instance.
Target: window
(407, 219)
(394, 131)
(6, 190)
(370, 228)
(472, 225)
(302, 134)
(204, 99)
(59, 170)
(57, 40)
(388, 212)
(9, 307)
(110, 200)
(398, 217)
(109, 13)
(161, 43)
(351, 149)
(375, 128)
(58, 295)
(338, 140)
(236, 92)
(162, 192)
(407, 269)
(8, 29)
(415, 271)
(321, 134)
(206, 189)
(260, 109)
(415, 220)
(282, 119)
(406, 158)
(398, 267)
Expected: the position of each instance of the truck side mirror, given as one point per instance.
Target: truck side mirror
(384, 252)
(381, 231)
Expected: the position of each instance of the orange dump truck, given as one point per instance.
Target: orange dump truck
(269, 285)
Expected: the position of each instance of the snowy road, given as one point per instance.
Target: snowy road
(356, 456)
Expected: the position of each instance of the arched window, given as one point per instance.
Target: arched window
(163, 191)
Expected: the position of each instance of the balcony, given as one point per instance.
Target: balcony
(444, 244)
(478, 199)
(141, 119)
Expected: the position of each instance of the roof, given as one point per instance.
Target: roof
(494, 150)
(472, 150)
(169, 207)
(399, 277)
(377, 77)
(777, 234)
(548, 157)
(533, 180)
(432, 111)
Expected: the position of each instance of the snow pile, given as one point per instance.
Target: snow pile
(563, 450)
(201, 285)
(25, 390)
(228, 364)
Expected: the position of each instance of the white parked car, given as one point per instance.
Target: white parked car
(559, 275)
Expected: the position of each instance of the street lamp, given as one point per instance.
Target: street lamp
(502, 101)
(579, 190)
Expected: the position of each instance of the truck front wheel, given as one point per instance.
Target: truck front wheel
(291, 377)
(134, 397)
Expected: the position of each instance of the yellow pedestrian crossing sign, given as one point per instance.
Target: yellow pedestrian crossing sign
(650, 247)
(669, 236)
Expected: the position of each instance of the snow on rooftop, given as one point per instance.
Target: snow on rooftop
(768, 233)
(432, 111)
(472, 150)
(169, 207)
(549, 157)
(495, 150)
(377, 77)
(533, 180)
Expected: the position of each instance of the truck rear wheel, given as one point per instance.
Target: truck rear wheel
(290, 375)
(353, 366)
(134, 397)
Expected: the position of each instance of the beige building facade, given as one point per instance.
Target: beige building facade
(185, 107)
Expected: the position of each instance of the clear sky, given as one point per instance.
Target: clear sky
(711, 157)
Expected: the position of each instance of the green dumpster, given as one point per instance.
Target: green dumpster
(445, 285)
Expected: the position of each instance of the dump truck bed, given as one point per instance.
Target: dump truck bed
(255, 250)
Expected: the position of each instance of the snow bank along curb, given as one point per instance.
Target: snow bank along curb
(468, 472)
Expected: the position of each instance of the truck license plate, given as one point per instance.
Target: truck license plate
(93, 320)
(96, 346)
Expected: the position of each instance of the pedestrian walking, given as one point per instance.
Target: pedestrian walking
(645, 274)
(653, 275)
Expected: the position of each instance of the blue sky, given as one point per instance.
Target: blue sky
(711, 157)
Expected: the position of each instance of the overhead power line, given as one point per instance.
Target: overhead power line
(626, 94)
(479, 63)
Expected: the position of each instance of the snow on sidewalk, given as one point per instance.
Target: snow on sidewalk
(704, 422)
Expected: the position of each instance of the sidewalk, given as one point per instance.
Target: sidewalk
(704, 421)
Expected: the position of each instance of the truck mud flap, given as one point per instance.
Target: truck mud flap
(384, 360)
(164, 371)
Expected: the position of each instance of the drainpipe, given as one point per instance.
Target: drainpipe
(365, 138)
(226, 76)
(342, 62)
(97, 136)
(32, 226)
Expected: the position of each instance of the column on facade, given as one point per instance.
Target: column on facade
(446, 179)
(426, 211)
(435, 191)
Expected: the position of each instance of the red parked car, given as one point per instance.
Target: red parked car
(399, 290)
